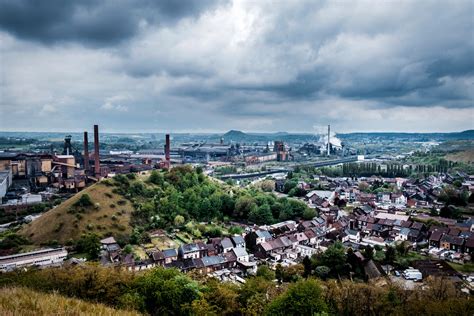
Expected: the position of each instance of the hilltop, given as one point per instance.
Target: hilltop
(108, 213)
(23, 301)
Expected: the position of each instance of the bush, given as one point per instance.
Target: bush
(84, 201)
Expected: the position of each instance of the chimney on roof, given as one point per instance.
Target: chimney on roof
(96, 152)
(167, 148)
(86, 152)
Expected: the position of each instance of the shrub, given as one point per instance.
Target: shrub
(84, 201)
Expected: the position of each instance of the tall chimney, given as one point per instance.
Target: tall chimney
(167, 148)
(329, 140)
(86, 153)
(96, 151)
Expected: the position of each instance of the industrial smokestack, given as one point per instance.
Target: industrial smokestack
(96, 150)
(167, 148)
(86, 153)
(329, 140)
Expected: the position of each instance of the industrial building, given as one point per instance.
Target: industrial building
(43, 257)
(5, 181)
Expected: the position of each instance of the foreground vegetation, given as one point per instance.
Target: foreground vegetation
(169, 292)
(23, 301)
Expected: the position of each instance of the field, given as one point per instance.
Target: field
(110, 213)
(462, 268)
(22, 301)
(466, 156)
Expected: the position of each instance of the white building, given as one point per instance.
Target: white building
(305, 251)
(42, 257)
(5, 182)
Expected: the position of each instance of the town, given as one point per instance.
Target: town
(387, 224)
(236, 158)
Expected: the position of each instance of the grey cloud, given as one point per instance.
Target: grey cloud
(94, 23)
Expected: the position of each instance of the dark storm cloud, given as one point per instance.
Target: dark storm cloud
(259, 65)
(96, 23)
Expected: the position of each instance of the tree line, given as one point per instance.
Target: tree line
(162, 291)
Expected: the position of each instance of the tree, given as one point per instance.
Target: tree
(156, 178)
(369, 252)
(178, 220)
(84, 201)
(322, 272)
(308, 266)
(309, 213)
(261, 215)
(335, 258)
(243, 206)
(267, 185)
(167, 291)
(127, 249)
(279, 273)
(89, 244)
(265, 272)
(390, 255)
(402, 248)
(303, 298)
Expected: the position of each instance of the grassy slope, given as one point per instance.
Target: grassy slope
(22, 301)
(59, 224)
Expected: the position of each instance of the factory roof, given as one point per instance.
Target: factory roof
(31, 255)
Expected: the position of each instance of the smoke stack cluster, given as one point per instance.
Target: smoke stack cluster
(167, 148)
(96, 149)
(86, 153)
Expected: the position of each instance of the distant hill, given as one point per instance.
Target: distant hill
(234, 134)
(22, 301)
(110, 213)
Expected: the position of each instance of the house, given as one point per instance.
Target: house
(158, 257)
(435, 238)
(216, 244)
(305, 225)
(238, 241)
(188, 251)
(454, 243)
(211, 263)
(469, 246)
(170, 255)
(415, 235)
(383, 197)
(227, 245)
(257, 237)
(398, 198)
(418, 226)
(109, 241)
(304, 251)
(320, 197)
(353, 235)
(403, 234)
(312, 237)
(265, 249)
(241, 254)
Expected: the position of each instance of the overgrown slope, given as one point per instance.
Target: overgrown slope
(108, 213)
(22, 301)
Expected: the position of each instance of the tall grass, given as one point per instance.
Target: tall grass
(22, 301)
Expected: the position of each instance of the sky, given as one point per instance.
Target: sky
(213, 66)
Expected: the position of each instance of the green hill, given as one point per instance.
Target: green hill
(107, 213)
